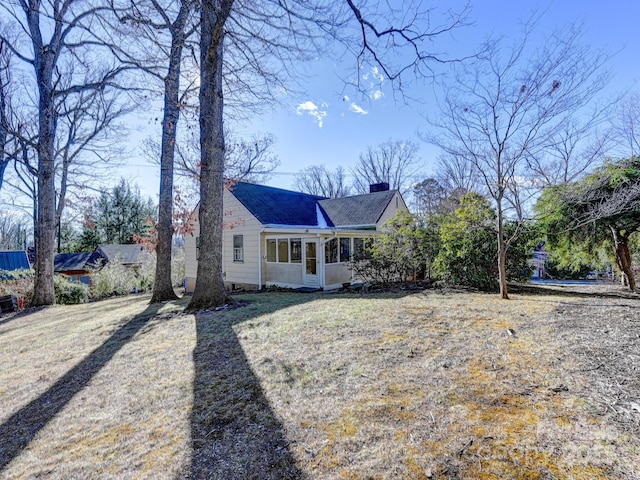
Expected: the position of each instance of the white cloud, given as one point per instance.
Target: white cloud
(306, 106)
(376, 74)
(357, 109)
(377, 94)
(313, 110)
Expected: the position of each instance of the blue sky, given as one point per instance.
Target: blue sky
(331, 126)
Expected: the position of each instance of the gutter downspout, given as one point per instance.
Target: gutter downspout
(327, 240)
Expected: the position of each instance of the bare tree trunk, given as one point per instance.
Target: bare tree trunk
(502, 255)
(43, 293)
(4, 121)
(623, 259)
(163, 287)
(209, 290)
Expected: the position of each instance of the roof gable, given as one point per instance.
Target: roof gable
(358, 210)
(275, 206)
(14, 260)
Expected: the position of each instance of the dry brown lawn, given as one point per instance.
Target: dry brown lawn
(411, 385)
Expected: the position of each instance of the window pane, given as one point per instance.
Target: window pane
(331, 251)
(283, 251)
(238, 249)
(345, 249)
(296, 250)
(310, 256)
(271, 250)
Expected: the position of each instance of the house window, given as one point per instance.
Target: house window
(345, 249)
(296, 250)
(197, 248)
(283, 250)
(271, 250)
(238, 248)
(331, 251)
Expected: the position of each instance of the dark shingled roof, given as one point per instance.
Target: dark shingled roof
(358, 210)
(14, 260)
(67, 262)
(125, 254)
(275, 206)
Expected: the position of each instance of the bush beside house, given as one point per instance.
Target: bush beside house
(460, 246)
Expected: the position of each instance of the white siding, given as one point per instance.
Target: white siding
(190, 263)
(284, 274)
(237, 221)
(396, 204)
(337, 274)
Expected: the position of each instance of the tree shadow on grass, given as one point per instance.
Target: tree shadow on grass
(20, 428)
(235, 434)
(574, 291)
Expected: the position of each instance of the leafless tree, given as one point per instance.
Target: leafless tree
(246, 159)
(458, 174)
(577, 145)
(13, 230)
(429, 196)
(88, 141)
(318, 180)
(60, 41)
(25, 179)
(250, 159)
(393, 162)
(264, 38)
(5, 76)
(625, 127)
(505, 108)
(158, 32)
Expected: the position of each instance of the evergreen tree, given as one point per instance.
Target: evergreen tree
(122, 215)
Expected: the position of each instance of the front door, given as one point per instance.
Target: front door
(310, 275)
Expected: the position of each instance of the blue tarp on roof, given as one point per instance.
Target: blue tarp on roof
(14, 260)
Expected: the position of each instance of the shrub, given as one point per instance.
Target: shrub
(112, 280)
(144, 276)
(402, 251)
(468, 253)
(115, 279)
(177, 267)
(68, 292)
(18, 283)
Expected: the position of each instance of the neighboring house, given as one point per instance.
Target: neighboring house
(14, 260)
(275, 237)
(132, 256)
(79, 266)
(539, 261)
